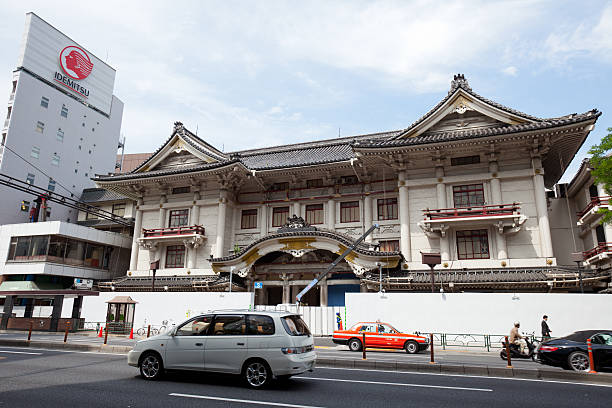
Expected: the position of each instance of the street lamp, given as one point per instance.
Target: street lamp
(431, 260)
(578, 258)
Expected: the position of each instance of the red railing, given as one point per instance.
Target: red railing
(599, 249)
(182, 230)
(473, 211)
(595, 201)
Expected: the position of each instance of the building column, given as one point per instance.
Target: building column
(323, 293)
(7, 311)
(137, 232)
(77, 305)
(162, 211)
(404, 218)
(367, 213)
(264, 220)
(441, 197)
(286, 290)
(496, 198)
(331, 211)
(195, 209)
(297, 209)
(221, 222)
(58, 302)
(542, 208)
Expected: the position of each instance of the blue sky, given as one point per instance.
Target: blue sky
(252, 74)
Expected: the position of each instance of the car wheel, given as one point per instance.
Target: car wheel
(411, 347)
(151, 366)
(578, 361)
(256, 374)
(354, 345)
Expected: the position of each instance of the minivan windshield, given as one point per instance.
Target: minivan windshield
(295, 326)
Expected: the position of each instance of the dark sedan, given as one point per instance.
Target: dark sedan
(571, 352)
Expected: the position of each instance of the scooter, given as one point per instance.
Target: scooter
(515, 351)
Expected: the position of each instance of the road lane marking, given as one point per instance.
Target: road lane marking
(276, 404)
(20, 352)
(72, 351)
(444, 387)
(466, 376)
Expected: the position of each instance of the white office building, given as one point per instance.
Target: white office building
(62, 124)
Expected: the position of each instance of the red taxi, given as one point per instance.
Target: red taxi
(379, 335)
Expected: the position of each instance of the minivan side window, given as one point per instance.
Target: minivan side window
(260, 325)
(295, 326)
(196, 327)
(229, 325)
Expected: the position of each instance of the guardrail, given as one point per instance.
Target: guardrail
(472, 211)
(488, 341)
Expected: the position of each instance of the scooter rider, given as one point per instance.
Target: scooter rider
(517, 339)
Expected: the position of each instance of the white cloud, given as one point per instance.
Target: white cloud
(511, 70)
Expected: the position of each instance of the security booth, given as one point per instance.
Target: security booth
(120, 314)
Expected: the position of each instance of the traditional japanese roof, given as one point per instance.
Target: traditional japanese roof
(97, 195)
(461, 115)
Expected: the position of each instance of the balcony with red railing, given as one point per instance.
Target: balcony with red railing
(173, 231)
(505, 217)
(591, 210)
(601, 252)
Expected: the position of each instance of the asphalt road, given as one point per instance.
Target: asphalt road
(31, 378)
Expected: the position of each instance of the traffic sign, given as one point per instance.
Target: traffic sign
(258, 285)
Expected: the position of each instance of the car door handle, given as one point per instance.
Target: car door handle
(240, 344)
(199, 344)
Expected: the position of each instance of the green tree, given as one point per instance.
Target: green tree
(601, 161)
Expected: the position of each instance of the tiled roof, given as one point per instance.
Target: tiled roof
(96, 195)
(167, 172)
(299, 157)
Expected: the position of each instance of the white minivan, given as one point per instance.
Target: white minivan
(256, 345)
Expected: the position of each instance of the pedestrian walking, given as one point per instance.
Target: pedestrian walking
(545, 329)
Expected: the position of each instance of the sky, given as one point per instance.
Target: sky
(247, 74)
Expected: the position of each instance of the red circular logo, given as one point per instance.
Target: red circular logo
(75, 62)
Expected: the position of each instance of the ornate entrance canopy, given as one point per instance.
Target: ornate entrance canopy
(298, 238)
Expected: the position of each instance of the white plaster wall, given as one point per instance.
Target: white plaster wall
(481, 313)
(158, 306)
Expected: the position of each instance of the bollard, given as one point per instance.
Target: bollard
(105, 334)
(66, 333)
(591, 362)
(30, 331)
(508, 353)
(363, 346)
(148, 331)
(431, 351)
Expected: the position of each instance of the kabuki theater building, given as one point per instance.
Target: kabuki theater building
(469, 180)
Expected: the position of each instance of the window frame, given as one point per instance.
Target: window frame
(59, 136)
(51, 185)
(248, 218)
(277, 213)
(386, 243)
(319, 214)
(33, 179)
(173, 215)
(55, 159)
(466, 191)
(471, 237)
(348, 208)
(175, 251)
(40, 126)
(64, 111)
(214, 322)
(383, 205)
(35, 152)
(120, 206)
(248, 325)
(44, 102)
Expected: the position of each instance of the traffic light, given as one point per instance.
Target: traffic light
(25, 205)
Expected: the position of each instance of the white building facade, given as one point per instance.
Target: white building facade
(63, 121)
(467, 180)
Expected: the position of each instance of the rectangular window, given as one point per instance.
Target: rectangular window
(35, 153)
(314, 214)
(175, 256)
(119, 209)
(180, 190)
(64, 112)
(178, 218)
(461, 161)
(91, 214)
(387, 209)
(57, 249)
(30, 178)
(349, 211)
(229, 325)
(260, 325)
(473, 244)
(40, 127)
(468, 195)
(279, 186)
(348, 180)
(75, 252)
(314, 183)
(249, 219)
(44, 102)
(389, 246)
(280, 215)
(94, 255)
(51, 186)
(55, 159)
(60, 135)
